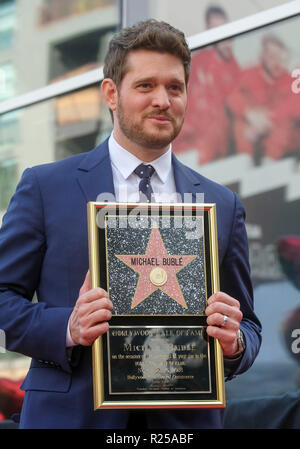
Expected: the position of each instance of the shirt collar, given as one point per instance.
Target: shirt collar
(126, 162)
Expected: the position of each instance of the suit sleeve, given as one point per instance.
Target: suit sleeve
(33, 329)
(235, 280)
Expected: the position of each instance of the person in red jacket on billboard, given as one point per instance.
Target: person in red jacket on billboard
(214, 74)
(264, 107)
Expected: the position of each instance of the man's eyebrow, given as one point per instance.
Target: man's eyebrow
(177, 81)
(144, 80)
(153, 79)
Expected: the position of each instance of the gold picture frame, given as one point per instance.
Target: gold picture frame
(183, 367)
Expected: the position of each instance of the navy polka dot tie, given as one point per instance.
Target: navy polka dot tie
(145, 172)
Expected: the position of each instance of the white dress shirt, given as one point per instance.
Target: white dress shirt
(126, 182)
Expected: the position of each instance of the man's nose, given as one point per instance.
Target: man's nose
(161, 98)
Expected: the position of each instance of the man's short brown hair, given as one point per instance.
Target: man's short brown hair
(147, 35)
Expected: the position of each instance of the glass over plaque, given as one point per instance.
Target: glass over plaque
(159, 263)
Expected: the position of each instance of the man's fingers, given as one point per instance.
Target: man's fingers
(87, 285)
(87, 308)
(89, 317)
(221, 308)
(223, 297)
(221, 305)
(96, 317)
(93, 295)
(89, 293)
(224, 336)
(217, 319)
(89, 335)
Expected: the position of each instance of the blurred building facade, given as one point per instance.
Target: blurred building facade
(48, 43)
(43, 41)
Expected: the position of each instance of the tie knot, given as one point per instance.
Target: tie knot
(144, 171)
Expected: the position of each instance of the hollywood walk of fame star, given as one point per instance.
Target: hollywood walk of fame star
(157, 270)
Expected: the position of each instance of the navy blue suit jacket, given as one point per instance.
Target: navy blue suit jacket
(44, 249)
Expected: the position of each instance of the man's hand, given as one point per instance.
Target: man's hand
(90, 315)
(219, 305)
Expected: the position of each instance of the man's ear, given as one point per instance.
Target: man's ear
(110, 93)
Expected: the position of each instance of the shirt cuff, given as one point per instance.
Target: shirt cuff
(69, 342)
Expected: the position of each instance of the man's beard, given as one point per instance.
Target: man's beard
(136, 132)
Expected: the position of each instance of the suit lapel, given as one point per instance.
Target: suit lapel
(94, 174)
(186, 183)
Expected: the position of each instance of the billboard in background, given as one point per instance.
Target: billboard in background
(242, 129)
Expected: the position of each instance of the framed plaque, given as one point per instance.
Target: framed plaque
(159, 263)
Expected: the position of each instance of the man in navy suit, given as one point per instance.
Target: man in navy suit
(44, 241)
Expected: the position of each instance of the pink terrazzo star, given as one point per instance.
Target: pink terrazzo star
(157, 258)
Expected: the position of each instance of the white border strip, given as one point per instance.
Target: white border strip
(241, 26)
(124, 10)
(226, 31)
(52, 90)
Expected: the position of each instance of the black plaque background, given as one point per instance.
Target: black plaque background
(170, 396)
(167, 359)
